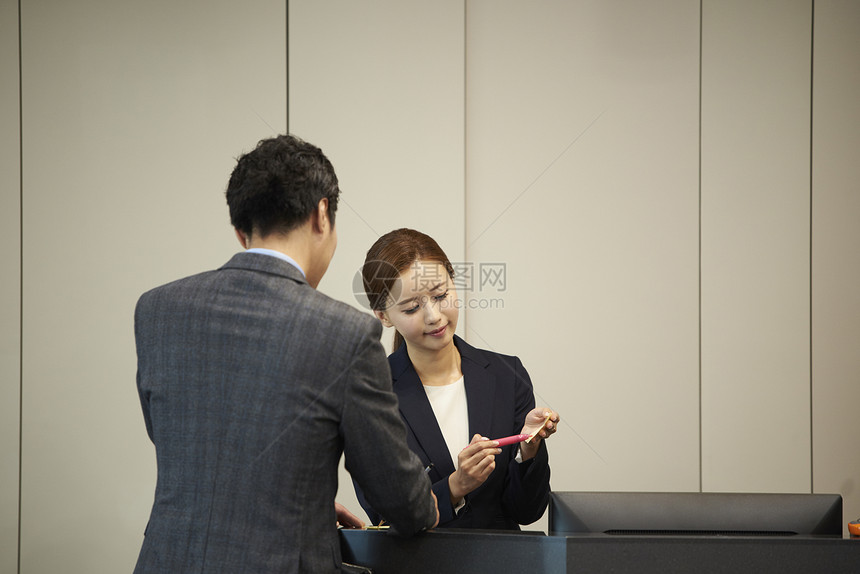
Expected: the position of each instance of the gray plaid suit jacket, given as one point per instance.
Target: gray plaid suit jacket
(252, 384)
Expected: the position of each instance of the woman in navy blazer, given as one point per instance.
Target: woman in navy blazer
(450, 391)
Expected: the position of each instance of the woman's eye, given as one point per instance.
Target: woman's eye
(411, 310)
(441, 297)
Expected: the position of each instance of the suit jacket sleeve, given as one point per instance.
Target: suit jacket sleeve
(527, 490)
(143, 395)
(442, 490)
(376, 453)
(443, 498)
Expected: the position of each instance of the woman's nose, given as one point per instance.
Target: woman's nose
(431, 312)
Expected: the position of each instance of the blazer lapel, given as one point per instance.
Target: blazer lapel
(417, 412)
(480, 389)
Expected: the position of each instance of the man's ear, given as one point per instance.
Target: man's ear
(320, 216)
(244, 240)
(383, 318)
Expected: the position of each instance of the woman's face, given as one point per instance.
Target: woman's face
(423, 307)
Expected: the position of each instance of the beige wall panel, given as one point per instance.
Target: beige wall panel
(755, 246)
(379, 87)
(384, 99)
(133, 114)
(835, 248)
(10, 285)
(582, 180)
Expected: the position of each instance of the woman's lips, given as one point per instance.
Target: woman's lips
(437, 332)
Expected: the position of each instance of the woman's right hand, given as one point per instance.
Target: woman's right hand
(475, 464)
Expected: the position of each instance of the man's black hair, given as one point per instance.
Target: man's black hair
(278, 185)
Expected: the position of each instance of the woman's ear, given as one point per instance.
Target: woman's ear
(383, 318)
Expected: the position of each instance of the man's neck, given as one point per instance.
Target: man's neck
(290, 245)
(310, 245)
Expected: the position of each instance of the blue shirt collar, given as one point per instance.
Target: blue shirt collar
(279, 255)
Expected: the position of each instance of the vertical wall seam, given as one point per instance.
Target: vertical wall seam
(466, 254)
(287, 66)
(811, 263)
(20, 279)
(701, 441)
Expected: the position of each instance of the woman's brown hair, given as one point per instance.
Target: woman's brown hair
(391, 255)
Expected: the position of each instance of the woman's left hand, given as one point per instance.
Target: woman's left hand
(536, 423)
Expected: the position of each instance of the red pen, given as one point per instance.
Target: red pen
(513, 439)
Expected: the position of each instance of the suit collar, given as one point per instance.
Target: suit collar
(480, 388)
(418, 413)
(400, 362)
(265, 264)
(469, 352)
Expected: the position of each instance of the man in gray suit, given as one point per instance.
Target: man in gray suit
(253, 383)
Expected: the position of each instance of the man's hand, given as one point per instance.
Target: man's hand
(475, 464)
(347, 519)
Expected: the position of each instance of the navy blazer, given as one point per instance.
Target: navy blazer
(499, 395)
